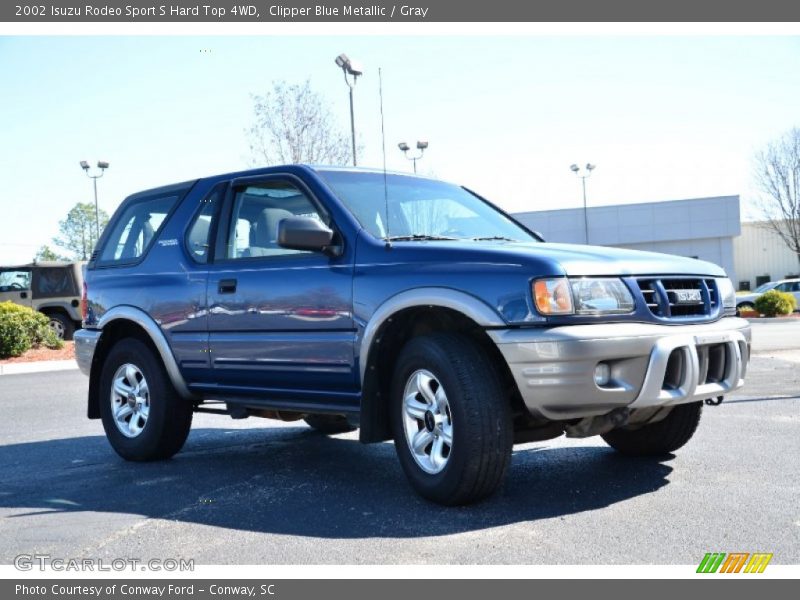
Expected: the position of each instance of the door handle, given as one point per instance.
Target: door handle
(227, 286)
(23, 294)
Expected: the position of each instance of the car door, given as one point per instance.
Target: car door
(280, 321)
(796, 292)
(15, 285)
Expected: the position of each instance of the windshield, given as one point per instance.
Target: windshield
(765, 287)
(420, 209)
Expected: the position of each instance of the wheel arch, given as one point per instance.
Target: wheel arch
(128, 321)
(409, 315)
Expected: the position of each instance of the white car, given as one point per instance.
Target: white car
(747, 301)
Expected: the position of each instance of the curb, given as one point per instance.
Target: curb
(40, 366)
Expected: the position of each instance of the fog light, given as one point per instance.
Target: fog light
(602, 374)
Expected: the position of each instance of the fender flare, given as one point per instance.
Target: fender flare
(442, 297)
(146, 322)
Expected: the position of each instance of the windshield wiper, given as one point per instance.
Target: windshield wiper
(419, 237)
(490, 238)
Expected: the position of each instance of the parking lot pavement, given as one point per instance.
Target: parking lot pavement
(257, 491)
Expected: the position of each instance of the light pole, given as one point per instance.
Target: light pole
(584, 174)
(102, 165)
(352, 68)
(405, 148)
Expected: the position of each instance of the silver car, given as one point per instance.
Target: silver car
(746, 302)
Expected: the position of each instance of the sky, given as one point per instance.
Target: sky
(662, 117)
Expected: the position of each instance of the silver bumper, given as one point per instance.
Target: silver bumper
(85, 343)
(650, 365)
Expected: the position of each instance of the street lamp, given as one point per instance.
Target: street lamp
(584, 174)
(352, 68)
(405, 148)
(102, 165)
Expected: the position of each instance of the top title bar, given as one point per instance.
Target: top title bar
(464, 11)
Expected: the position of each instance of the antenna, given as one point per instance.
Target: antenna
(383, 142)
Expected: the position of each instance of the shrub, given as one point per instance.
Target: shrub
(22, 328)
(774, 303)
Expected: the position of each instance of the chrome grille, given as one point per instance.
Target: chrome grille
(680, 297)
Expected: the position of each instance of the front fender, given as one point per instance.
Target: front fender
(470, 306)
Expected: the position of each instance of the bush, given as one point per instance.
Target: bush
(22, 328)
(774, 303)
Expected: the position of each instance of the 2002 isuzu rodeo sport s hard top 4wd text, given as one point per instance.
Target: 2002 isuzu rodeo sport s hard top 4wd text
(410, 308)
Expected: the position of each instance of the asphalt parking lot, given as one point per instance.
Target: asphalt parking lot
(264, 492)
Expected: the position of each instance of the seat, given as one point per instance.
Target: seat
(265, 232)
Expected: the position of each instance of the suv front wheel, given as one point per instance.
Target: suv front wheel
(450, 418)
(143, 416)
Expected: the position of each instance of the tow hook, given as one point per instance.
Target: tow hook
(715, 401)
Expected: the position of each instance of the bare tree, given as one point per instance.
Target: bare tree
(778, 176)
(292, 124)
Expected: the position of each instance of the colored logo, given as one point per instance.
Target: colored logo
(735, 562)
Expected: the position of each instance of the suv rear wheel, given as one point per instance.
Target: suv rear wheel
(61, 325)
(450, 418)
(143, 416)
(660, 438)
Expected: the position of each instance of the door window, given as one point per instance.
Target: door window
(13, 280)
(198, 238)
(257, 213)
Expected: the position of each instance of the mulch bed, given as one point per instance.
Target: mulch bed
(37, 354)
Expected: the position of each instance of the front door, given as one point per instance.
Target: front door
(280, 321)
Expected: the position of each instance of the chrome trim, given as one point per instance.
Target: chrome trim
(468, 305)
(141, 318)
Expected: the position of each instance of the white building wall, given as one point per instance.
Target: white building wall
(701, 227)
(761, 252)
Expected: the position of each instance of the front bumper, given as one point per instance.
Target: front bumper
(85, 344)
(650, 365)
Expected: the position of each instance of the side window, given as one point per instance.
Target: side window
(54, 282)
(136, 228)
(15, 280)
(784, 287)
(257, 211)
(198, 238)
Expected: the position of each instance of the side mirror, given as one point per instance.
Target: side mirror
(304, 233)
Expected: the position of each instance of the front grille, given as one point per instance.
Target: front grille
(680, 297)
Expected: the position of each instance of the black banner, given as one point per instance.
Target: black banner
(464, 11)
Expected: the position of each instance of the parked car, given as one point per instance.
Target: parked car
(746, 302)
(410, 308)
(52, 288)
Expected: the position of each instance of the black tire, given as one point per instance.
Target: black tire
(744, 306)
(62, 325)
(170, 417)
(329, 424)
(659, 438)
(481, 425)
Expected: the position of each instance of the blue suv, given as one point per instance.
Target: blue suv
(409, 308)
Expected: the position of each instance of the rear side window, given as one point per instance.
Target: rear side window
(136, 228)
(53, 282)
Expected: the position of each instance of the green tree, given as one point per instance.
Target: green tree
(292, 124)
(46, 253)
(78, 231)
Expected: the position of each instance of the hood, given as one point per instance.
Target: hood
(578, 260)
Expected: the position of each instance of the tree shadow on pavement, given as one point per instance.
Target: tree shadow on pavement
(293, 481)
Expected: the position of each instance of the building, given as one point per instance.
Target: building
(703, 228)
(761, 256)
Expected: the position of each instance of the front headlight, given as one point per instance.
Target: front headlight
(601, 297)
(586, 296)
(727, 294)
